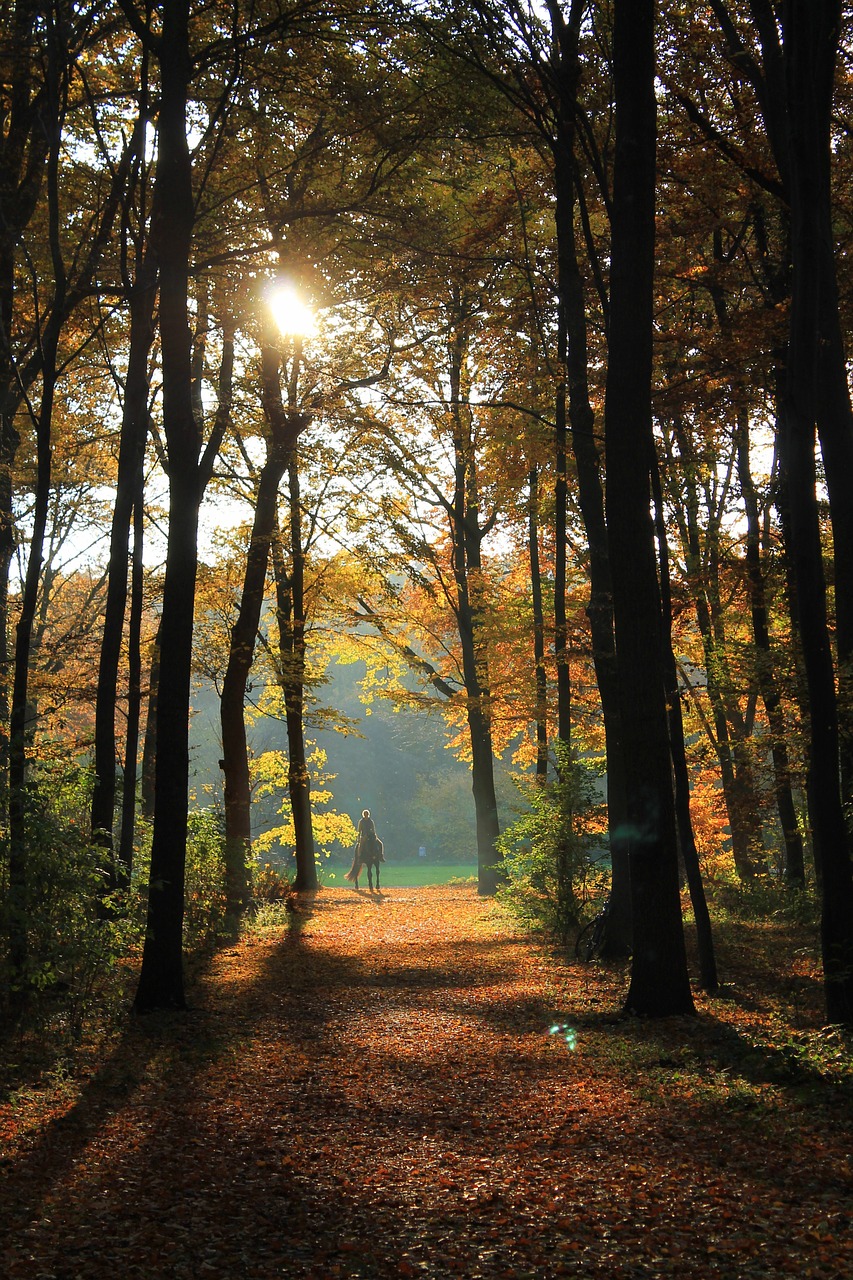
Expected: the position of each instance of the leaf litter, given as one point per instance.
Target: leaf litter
(407, 1085)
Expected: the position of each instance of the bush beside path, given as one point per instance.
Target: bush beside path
(406, 1085)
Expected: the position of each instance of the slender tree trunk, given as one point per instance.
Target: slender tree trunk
(161, 980)
(284, 428)
(564, 37)
(591, 498)
(290, 603)
(149, 742)
(794, 860)
(659, 979)
(561, 626)
(467, 572)
(540, 675)
(134, 432)
(19, 729)
(24, 145)
(124, 857)
(680, 773)
(811, 35)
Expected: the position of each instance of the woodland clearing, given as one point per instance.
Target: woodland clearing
(406, 1084)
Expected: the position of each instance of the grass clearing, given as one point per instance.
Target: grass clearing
(410, 875)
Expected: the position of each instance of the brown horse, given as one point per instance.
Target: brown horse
(369, 854)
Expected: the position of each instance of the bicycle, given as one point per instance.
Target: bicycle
(590, 940)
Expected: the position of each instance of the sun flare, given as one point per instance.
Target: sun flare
(291, 313)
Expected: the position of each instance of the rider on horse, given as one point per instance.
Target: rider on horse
(368, 851)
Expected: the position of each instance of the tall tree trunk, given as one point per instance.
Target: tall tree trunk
(794, 860)
(124, 853)
(290, 603)
(540, 675)
(729, 726)
(811, 30)
(161, 980)
(149, 742)
(24, 145)
(659, 979)
(574, 359)
(19, 730)
(680, 774)
(284, 428)
(134, 433)
(467, 573)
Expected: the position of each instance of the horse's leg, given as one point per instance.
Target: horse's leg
(377, 876)
(370, 876)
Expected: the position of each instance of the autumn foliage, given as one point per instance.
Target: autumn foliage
(406, 1085)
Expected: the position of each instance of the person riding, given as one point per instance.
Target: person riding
(368, 851)
(366, 833)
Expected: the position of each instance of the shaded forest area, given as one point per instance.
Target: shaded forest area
(497, 347)
(511, 1128)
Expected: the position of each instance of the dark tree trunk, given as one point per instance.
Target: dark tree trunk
(161, 980)
(540, 674)
(24, 144)
(467, 536)
(20, 729)
(20, 732)
(680, 773)
(811, 30)
(729, 732)
(149, 743)
(134, 432)
(124, 854)
(561, 627)
(591, 498)
(290, 603)
(659, 979)
(284, 429)
(794, 860)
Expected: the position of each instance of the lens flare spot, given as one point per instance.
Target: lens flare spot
(566, 1033)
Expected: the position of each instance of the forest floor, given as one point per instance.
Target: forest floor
(406, 1085)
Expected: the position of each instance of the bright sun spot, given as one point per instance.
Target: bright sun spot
(292, 315)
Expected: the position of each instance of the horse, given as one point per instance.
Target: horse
(371, 856)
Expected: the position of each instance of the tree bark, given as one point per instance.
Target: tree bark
(811, 36)
(680, 773)
(149, 742)
(794, 869)
(539, 672)
(161, 980)
(590, 492)
(467, 572)
(659, 979)
(20, 731)
(290, 605)
(134, 433)
(284, 429)
(124, 855)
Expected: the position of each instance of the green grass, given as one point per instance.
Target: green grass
(407, 875)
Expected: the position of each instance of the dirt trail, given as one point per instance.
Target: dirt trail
(375, 1093)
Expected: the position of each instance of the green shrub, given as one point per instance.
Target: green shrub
(76, 938)
(764, 897)
(549, 851)
(204, 890)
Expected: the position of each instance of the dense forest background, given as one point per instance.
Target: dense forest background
(493, 352)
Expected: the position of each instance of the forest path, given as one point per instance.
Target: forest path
(374, 1092)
